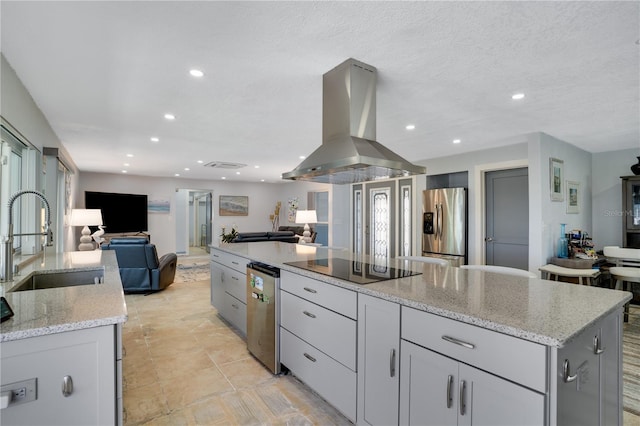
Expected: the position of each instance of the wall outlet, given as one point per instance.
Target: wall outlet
(21, 392)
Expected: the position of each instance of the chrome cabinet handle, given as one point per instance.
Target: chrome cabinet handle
(566, 373)
(235, 263)
(463, 405)
(67, 386)
(597, 349)
(310, 290)
(233, 305)
(449, 389)
(309, 314)
(392, 363)
(234, 278)
(309, 357)
(459, 342)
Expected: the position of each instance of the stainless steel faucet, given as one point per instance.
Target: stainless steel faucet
(6, 247)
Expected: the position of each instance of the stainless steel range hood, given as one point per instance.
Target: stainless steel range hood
(349, 152)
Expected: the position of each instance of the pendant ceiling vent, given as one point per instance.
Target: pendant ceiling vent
(349, 152)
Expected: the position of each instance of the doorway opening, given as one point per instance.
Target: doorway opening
(194, 217)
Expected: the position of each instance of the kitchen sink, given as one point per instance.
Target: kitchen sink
(61, 279)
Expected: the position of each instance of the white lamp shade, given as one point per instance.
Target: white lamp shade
(85, 217)
(306, 216)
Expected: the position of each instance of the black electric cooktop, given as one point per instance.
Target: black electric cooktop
(353, 271)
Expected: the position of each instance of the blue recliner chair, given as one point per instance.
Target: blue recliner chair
(140, 269)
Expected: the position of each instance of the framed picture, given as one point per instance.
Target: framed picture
(573, 197)
(556, 175)
(234, 205)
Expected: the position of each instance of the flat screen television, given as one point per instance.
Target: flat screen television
(120, 212)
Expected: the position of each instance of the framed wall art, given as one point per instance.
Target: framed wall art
(556, 177)
(234, 205)
(573, 197)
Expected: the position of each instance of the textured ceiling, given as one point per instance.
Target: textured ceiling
(105, 73)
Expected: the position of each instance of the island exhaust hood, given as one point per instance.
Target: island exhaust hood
(349, 152)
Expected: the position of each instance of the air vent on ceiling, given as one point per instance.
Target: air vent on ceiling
(225, 165)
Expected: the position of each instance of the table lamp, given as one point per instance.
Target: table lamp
(86, 218)
(306, 217)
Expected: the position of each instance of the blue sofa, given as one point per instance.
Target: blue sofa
(141, 271)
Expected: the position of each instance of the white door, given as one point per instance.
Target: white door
(378, 370)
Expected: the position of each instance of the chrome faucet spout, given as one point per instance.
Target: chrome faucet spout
(6, 246)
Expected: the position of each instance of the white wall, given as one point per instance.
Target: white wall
(162, 227)
(19, 110)
(607, 211)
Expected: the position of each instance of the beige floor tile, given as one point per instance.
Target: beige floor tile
(245, 409)
(177, 365)
(246, 373)
(208, 412)
(194, 386)
(144, 403)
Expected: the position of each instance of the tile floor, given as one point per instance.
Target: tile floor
(183, 365)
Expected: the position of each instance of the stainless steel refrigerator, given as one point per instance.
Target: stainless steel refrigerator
(444, 227)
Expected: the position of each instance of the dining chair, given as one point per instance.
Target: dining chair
(501, 270)
(426, 259)
(626, 269)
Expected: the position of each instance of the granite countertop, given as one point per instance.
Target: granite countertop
(546, 312)
(55, 310)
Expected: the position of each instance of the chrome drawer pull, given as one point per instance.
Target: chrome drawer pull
(459, 342)
(233, 305)
(309, 357)
(449, 389)
(310, 290)
(463, 405)
(234, 278)
(235, 263)
(566, 373)
(309, 314)
(67, 386)
(597, 349)
(392, 363)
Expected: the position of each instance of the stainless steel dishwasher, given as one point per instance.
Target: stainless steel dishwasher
(263, 296)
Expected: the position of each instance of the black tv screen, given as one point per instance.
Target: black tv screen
(120, 212)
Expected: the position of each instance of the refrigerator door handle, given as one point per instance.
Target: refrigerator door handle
(440, 220)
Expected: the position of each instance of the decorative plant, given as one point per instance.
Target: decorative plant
(227, 238)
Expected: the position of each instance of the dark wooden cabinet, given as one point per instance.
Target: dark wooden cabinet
(631, 211)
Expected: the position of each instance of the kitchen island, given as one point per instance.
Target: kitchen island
(61, 352)
(451, 345)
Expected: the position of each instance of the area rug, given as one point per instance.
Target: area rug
(192, 268)
(631, 361)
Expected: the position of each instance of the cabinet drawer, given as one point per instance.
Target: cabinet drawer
(229, 260)
(234, 283)
(337, 299)
(234, 311)
(330, 379)
(333, 334)
(515, 359)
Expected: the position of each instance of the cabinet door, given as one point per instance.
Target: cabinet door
(632, 203)
(579, 396)
(378, 361)
(86, 356)
(491, 400)
(217, 285)
(428, 387)
(610, 349)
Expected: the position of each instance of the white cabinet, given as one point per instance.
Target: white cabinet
(228, 288)
(438, 390)
(318, 338)
(378, 361)
(590, 376)
(86, 358)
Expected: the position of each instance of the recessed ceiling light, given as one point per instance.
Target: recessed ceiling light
(410, 126)
(457, 141)
(302, 157)
(261, 180)
(223, 177)
(130, 155)
(237, 173)
(124, 171)
(517, 96)
(170, 116)
(154, 139)
(256, 167)
(126, 164)
(177, 174)
(186, 169)
(199, 161)
(196, 73)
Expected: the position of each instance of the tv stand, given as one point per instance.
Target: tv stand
(108, 237)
